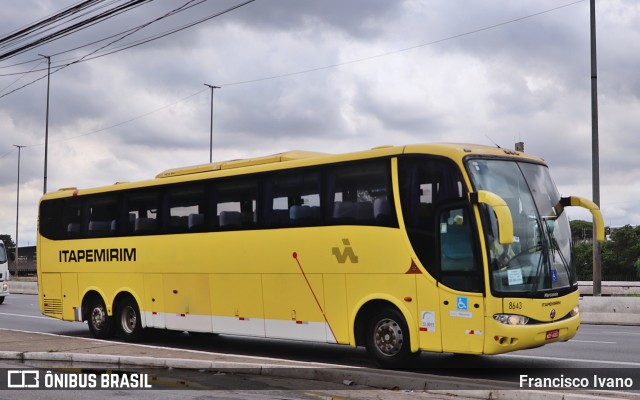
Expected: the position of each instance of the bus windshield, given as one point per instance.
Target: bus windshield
(539, 259)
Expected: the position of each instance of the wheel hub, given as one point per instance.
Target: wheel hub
(98, 317)
(129, 319)
(388, 337)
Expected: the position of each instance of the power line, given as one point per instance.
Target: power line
(131, 32)
(96, 41)
(44, 22)
(141, 41)
(64, 31)
(23, 75)
(135, 44)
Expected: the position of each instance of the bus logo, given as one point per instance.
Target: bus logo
(347, 253)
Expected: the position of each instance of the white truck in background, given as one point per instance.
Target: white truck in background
(4, 273)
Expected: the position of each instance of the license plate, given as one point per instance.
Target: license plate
(554, 334)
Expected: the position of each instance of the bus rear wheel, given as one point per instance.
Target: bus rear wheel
(101, 325)
(387, 339)
(129, 321)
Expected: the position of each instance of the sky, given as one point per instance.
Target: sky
(332, 76)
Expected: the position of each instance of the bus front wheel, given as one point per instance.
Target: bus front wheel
(101, 325)
(387, 339)
(129, 321)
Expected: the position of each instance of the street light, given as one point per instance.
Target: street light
(46, 129)
(18, 204)
(595, 150)
(211, 124)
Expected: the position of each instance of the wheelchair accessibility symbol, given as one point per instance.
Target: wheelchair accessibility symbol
(463, 303)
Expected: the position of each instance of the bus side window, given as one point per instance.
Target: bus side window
(186, 209)
(142, 211)
(361, 194)
(72, 214)
(426, 183)
(292, 199)
(236, 202)
(102, 211)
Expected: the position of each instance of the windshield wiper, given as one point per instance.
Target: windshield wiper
(555, 249)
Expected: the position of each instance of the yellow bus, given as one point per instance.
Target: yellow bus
(434, 247)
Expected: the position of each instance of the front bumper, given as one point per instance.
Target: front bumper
(506, 338)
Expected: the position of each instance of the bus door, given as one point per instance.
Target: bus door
(460, 283)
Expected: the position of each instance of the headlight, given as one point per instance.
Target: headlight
(511, 319)
(575, 311)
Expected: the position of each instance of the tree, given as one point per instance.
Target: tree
(581, 231)
(620, 255)
(583, 260)
(8, 242)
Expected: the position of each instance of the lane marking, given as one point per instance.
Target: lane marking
(26, 316)
(591, 341)
(623, 333)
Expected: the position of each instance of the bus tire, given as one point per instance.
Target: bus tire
(129, 321)
(387, 339)
(2, 299)
(101, 325)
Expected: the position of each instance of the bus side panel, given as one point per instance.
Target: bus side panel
(291, 310)
(187, 302)
(399, 289)
(111, 284)
(335, 288)
(70, 300)
(429, 323)
(462, 319)
(236, 303)
(153, 303)
(51, 290)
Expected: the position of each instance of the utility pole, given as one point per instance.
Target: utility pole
(18, 207)
(211, 124)
(46, 127)
(595, 157)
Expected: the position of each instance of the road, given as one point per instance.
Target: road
(596, 348)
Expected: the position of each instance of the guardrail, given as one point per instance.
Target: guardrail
(610, 288)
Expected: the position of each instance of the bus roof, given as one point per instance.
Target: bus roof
(280, 157)
(298, 158)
